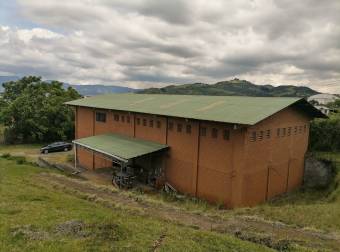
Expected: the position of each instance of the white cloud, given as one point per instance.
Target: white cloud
(144, 43)
(27, 35)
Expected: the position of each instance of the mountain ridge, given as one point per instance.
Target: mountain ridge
(85, 90)
(232, 88)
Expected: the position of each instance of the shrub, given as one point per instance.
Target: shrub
(325, 135)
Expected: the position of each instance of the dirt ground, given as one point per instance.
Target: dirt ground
(275, 235)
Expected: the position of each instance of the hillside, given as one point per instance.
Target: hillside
(85, 90)
(233, 87)
(89, 90)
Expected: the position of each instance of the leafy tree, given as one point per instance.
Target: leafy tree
(34, 111)
(325, 134)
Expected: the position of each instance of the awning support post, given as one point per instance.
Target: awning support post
(75, 155)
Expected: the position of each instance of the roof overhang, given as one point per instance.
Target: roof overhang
(122, 148)
(306, 107)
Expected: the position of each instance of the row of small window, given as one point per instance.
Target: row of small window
(101, 117)
(280, 132)
(151, 123)
(215, 133)
(203, 130)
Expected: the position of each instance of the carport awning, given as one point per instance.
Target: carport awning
(119, 146)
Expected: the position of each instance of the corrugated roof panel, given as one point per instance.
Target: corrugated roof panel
(229, 109)
(122, 147)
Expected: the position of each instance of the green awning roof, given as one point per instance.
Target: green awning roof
(119, 146)
(228, 109)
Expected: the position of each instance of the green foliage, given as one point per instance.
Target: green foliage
(334, 105)
(325, 134)
(34, 111)
(233, 87)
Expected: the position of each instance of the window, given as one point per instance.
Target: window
(261, 135)
(268, 133)
(116, 118)
(253, 136)
(158, 124)
(214, 133)
(151, 123)
(179, 127)
(289, 132)
(128, 119)
(300, 129)
(138, 121)
(203, 131)
(283, 132)
(171, 125)
(123, 118)
(144, 122)
(226, 134)
(188, 129)
(100, 117)
(295, 130)
(278, 132)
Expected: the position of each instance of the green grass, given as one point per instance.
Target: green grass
(30, 215)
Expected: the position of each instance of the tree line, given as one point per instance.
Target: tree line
(325, 133)
(33, 110)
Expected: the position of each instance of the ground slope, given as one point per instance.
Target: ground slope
(35, 216)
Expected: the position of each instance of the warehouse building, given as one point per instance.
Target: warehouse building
(238, 151)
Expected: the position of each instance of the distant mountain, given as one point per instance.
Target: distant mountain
(233, 87)
(89, 90)
(86, 90)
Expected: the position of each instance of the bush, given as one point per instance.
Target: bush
(20, 160)
(325, 135)
(6, 155)
(17, 159)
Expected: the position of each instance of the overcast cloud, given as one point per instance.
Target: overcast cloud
(144, 43)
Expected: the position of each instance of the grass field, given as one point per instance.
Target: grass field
(34, 218)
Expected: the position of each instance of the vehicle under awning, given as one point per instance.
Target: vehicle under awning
(122, 148)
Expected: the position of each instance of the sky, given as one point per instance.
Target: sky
(153, 43)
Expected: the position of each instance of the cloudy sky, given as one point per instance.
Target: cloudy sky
(144, 43)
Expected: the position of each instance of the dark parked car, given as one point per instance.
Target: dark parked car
(57, 146)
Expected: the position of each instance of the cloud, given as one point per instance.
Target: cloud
(144, 43)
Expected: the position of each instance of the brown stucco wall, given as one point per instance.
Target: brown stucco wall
(235, 171)
(274, 165)
(84, 128)
(181, 165)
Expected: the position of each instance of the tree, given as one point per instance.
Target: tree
(325, 134)
(34, 111)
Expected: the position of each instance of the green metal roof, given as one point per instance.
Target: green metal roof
(118, 146)
(228, 109)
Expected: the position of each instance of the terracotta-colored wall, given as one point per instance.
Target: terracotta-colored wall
(181, 166)
(275, 164)
(84, 123)
(150, 131)
(234, 171)
(215, 165)
(84, 128)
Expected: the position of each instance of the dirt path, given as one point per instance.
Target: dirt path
(275, 235)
